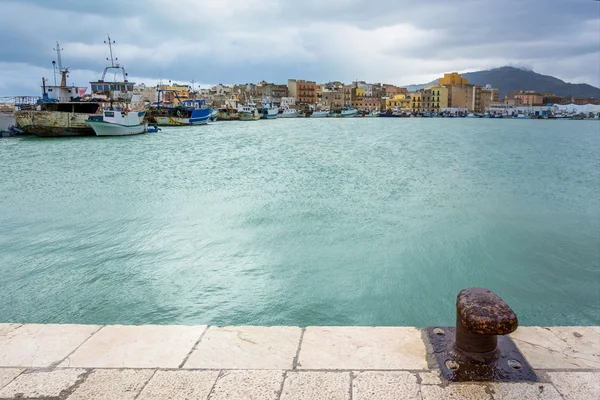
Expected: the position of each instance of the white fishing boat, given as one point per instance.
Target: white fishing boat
(319, 114)
(118, 119)
(248, 112)
(348, 112)
(118, 123)
(269, 111)
(214, 114)
(289, 113)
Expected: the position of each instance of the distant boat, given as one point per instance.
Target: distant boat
(270, 111)
(289, 113)
(372, 113)
(319, 114)
(248, 111)
(348, 112)
(187, 112)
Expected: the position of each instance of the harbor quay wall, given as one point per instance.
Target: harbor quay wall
(55, 361)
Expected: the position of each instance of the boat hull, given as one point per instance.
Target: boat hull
(319, 114)
(176, 121)
(53, 123)
(350, 113)
(102, 128)
(248, 116)
(289, 115)
(271, 114)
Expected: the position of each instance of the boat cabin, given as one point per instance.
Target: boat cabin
(62, 93)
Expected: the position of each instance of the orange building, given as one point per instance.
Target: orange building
(529, 97)
(305, 92)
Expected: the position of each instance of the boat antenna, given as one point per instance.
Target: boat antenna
(112, 58)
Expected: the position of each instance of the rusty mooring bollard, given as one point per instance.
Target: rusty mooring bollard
(479, 348)
(481, 316)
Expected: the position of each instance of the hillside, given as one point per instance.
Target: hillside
(509, 79)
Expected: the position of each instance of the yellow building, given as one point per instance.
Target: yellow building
(416, 100)
(439, 98)
(453, 79)
(360, 92)
(401, 101)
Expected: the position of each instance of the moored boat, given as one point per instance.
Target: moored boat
(187, 112)
(319, 114)
(115, 122)
(60, 111)
(288, 113)
(269, 111)
(118, 119)
(348, 112)
(214, 114)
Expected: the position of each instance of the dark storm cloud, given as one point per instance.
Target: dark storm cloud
(240, 41)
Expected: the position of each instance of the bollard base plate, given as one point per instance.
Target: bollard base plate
(506, 364)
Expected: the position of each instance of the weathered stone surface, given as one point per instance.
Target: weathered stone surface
(5, 328)
(560, 347)
(577, 385)
(112, 385)
(146, 346)
(179, 385)
(34, 345)
(430, 378)
(483, 312)
(316, 386)
(524, 391)
(362, 348)
(7, 375)
(455, 392)
(248, 385)
(397, 385)
(246, 347)
(42, 383)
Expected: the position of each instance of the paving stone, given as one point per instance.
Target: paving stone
(316, 386)
(524, 391)
(577, 385)
(430, 378)
(397, 385)
(179, 385)
(147, 346)
(7, 375)
(248, 385)
(112, 385)
(362, 348)
(560, 347)
(42, 384)
(35, 345)
(246, 347)
(455, 392)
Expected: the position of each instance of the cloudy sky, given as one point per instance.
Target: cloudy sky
(235, 41)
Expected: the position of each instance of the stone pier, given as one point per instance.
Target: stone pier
(87, 362)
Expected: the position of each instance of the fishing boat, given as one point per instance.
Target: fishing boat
(372, 114)
(185, 113)
(60, 111)
(118, 119)
(248, 111)
(228, 112)
(288, 113)
(269, 111)
(348, 112)
(118, 122)
(319, 114)
(214, 114)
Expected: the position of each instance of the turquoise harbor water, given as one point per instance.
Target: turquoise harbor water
(303, 222)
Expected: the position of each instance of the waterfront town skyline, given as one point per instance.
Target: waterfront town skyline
(380, 41)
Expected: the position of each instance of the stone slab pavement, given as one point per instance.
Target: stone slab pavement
(88, 362)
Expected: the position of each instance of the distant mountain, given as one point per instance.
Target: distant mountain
(509, 79)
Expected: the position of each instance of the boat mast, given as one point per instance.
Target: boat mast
(112, 60)
(63, 71)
